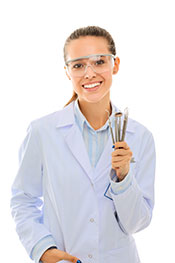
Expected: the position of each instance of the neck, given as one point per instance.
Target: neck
(95, 113)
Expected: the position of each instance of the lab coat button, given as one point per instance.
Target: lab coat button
(90, 256)
(92, 220)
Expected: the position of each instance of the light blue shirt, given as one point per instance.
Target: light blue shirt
(95, 140)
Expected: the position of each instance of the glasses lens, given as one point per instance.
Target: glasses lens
(99, 64)
(77, 67)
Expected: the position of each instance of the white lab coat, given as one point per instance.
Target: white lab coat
(55, 170)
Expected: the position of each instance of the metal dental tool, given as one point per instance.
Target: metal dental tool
(110, 127)
(119, 128)
(118, 136)
(116, 127)
(125, 121)
(118, 116)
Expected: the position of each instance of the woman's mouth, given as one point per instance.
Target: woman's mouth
(92, 86)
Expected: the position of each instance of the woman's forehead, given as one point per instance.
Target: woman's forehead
(85, 46)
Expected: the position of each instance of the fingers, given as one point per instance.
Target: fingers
(123, 145)
(119, 164)
(56, 255)
(121, 152)
(70, 258)
(122, 149)
(121, 159)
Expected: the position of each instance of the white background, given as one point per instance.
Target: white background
(33, 84)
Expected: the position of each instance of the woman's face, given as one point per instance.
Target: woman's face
(85, 46)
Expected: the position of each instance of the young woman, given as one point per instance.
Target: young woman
(75, 198)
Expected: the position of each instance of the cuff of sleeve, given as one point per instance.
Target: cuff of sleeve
(120, 187)
(41, 247)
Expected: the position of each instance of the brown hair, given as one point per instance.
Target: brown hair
(89, 31)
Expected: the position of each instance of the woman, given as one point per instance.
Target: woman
(75, 198)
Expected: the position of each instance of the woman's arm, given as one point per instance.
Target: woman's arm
(26, 201)
(133, 197)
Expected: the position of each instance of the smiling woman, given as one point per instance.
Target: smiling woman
(93, 198)
(92, 46)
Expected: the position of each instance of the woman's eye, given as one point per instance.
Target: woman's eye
(100, 62)
(77, 66)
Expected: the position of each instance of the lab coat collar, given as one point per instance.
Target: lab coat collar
(66, 117)
(66, 124)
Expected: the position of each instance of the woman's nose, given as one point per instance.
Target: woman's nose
(89, 72)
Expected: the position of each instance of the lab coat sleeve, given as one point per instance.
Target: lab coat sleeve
(120, 186)
(26, 200)
(134, 196)
(41, 247)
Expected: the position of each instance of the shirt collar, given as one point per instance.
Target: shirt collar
(81, 119)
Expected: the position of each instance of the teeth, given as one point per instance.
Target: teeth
(92, 85)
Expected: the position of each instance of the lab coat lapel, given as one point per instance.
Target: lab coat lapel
(104, 162)
(73, 137)
(76, 145)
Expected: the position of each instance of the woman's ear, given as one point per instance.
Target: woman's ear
(67, 73)
(116, 65)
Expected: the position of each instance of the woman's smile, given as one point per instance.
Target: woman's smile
(92, 86)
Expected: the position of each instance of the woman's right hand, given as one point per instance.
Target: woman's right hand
(55, 255)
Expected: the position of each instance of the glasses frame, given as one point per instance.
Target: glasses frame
(93, 55)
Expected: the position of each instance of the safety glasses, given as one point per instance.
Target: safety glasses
(99, 63)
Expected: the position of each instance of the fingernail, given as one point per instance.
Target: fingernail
(78, 261)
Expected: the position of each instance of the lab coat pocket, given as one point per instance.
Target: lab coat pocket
(126, 254)
(107, 193)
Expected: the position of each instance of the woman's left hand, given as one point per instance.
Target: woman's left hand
(121, 158)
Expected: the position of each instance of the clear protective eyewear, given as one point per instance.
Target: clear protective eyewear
(99, 63)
